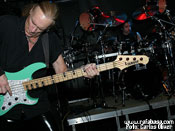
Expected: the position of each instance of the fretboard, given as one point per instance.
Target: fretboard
(69, 75)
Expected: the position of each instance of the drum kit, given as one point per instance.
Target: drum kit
(139, 81)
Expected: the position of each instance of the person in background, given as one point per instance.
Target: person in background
(128, 39)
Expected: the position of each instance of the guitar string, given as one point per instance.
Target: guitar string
(60, 76)
(15, 88)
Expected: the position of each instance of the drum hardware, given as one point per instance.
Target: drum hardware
(95, 17)
(167, 50)
(145, 12)
(120, 75)
(91, 16)
(72, 33)
(123, 88)
(106, 55)
(139, 67)
(69, 58)
(99, 86)
(108, 22)
(100, 40)
(111, 73)
(104, 24)
(99, 79)
(167, 12)
(165, 32)
(112, 20)
(165, 86)
(150, 48)
(160, 22)
(122, 85)
(172, 35)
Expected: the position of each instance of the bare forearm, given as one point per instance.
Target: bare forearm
(59, 65)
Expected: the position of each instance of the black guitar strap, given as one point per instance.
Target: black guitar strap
(45, 43)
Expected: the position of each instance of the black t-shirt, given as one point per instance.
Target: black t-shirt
(15, 55)
(127, 41)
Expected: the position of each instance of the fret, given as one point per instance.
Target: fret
(29, 87)
(59, 77)
(33, 86)
(104, 67)
(121, 62)
(69, 75)
(39, 82)
(74, 74)
(55, 78)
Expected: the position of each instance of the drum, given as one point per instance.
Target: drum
(79, 88)
(143, 84)
(110, 45)
(89, 19)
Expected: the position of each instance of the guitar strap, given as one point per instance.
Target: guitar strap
(45, 43)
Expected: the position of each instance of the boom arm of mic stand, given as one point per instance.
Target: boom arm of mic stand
(101, 35)
(72, 33)
(156, 18)
(159, 21)
(167, 22)
(167, 12)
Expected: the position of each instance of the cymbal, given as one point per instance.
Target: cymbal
(145, 12)
(110, 13)
(121, 18)
(112, 21)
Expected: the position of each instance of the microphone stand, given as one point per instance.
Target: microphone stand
(167, 12)
(103, 103)
(72, 33)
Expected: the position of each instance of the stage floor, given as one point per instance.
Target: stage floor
(112, 107)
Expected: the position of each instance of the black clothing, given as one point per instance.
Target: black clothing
(127, 42)
(130, 38)
(1, 71)
(44, 122)
(15, 55)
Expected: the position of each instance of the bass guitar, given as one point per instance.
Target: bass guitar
(20, 82)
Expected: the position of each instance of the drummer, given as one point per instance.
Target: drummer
(128, 39)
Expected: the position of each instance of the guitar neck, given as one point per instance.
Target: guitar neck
(69, 75)
(122, 62)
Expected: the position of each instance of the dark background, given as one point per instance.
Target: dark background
(70, 10)
(74, 38)
(75, 41)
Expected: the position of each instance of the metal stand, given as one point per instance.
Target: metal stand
(122, 86)
(99, 80)
(168, 54)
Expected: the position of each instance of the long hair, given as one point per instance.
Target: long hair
(49, 9)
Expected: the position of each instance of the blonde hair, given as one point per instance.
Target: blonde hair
(49, 9)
